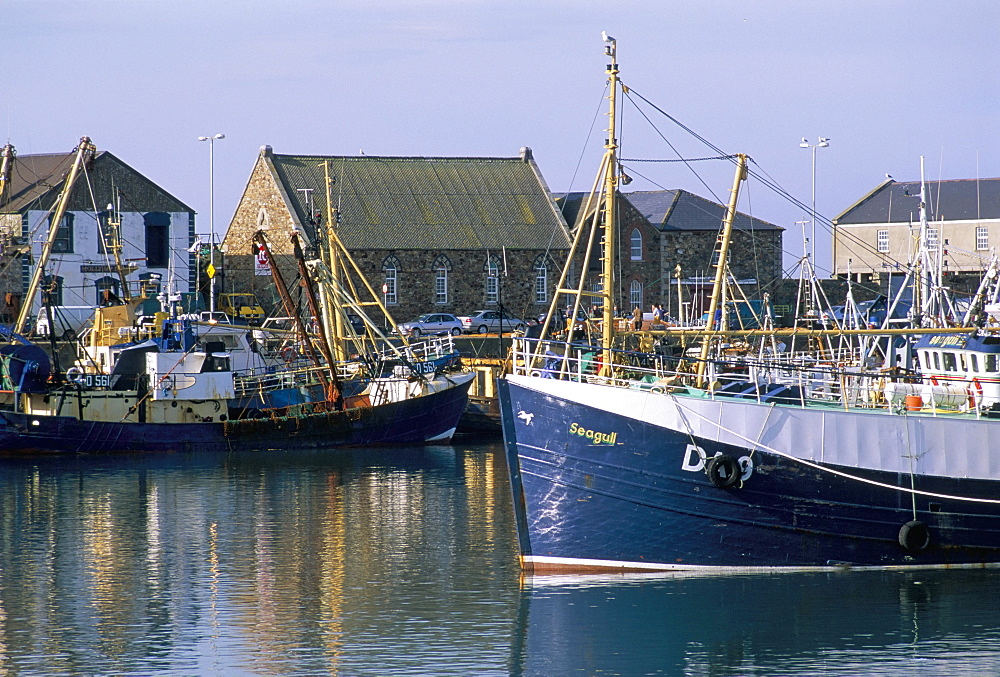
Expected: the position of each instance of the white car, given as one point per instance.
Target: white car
(431, 323)
(489, 321)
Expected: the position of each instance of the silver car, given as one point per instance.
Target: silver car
(489, 321)
(431, 323)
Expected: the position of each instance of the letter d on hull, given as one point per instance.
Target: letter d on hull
(694, 459)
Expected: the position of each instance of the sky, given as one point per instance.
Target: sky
(887, 81)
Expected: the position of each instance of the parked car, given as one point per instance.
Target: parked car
(489, 321)
(431, 323)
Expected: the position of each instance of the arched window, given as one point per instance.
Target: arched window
(635, 294)
(541, 267)
(390, 266)
(636, 245)
(441, 267)
(492, 272)
(108, 290)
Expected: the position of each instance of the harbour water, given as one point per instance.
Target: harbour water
(402, 561)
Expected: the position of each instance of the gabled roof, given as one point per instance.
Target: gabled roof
(671, 210)
(953, 200)
(36, 179)
(679, 210)
(427, 202)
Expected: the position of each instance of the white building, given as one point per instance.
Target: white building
(156, 230)
(878, 235)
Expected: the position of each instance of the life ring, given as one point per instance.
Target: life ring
(289, 354)
(914, 536)
(723, 471)
(75, 374)
(975, 391)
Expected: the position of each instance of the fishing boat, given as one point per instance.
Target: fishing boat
(172, 387)
(635, 461)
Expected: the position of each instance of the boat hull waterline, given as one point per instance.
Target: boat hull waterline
(612, 479)
(429, 418)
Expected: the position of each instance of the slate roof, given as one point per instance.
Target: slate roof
(33, 178)
(36, 179)
(952, 200)
(671, 210)
(679, 210)
(428, 202)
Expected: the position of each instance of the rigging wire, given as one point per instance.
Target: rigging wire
(846, 237)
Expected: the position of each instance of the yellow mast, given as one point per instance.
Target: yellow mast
(339, 353)
(610, 247)
(721, 263)
(85, 150)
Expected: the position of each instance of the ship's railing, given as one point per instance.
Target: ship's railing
(253, 382)
(426, 350)
(267, 379)
(802, 379)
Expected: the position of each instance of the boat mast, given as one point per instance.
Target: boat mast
(113, 241)
(721, 263)
(84, 152)
(610, 245)
(7, 153)
(333, 263)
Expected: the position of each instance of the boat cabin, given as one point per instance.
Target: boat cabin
(967, 366)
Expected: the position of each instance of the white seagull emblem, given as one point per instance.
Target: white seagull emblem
(526, 416)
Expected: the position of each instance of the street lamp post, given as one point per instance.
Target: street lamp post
(211, 216)
(822, 142)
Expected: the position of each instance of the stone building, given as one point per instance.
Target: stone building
(440, 233)
(878, 235)
(661, 230)
(637, 259)
(156, 230)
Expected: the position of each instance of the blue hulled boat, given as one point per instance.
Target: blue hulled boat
(641, 461)
(169, 394)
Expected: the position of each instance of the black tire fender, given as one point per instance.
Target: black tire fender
(914, 536)
(723, 471)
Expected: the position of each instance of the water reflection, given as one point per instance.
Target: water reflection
(306, 563)
(849, 623)
(402, 561)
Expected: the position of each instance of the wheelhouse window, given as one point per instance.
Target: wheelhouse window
(950, 363)
(991, 363)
